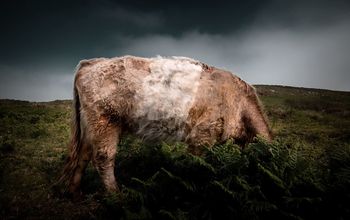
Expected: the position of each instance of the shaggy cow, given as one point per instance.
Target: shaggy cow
(168, 99)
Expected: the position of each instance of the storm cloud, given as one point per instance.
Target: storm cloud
(264, 42)
(308, 58)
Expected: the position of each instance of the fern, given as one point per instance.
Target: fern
(265, 180)
(340, 161)
(185, 184)
(260, 206)
(270, 177)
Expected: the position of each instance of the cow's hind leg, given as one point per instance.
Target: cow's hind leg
(84, 158)
(104, 151)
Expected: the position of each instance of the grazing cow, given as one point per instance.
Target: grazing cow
(169, 99)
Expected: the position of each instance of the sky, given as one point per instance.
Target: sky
(276, 42)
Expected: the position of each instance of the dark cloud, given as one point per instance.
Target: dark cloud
(301, 43)
(314, 58)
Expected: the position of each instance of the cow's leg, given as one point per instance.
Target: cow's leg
(255, 122)
(203, 135)
(84, 158)
(104, 151)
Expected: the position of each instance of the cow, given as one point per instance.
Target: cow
(170, 99)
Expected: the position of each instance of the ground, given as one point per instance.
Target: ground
(308, 122)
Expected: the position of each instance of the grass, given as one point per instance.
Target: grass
(304, 174)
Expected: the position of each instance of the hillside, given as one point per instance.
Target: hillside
(304, 174)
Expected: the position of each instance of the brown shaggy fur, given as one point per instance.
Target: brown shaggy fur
(105, 105)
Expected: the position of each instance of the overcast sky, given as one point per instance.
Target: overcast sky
(296, 43)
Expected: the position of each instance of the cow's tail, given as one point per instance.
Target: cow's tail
(75, 143)
(256, 120)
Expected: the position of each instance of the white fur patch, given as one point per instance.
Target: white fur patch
(165, 98)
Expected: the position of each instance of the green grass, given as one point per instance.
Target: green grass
(304, 174)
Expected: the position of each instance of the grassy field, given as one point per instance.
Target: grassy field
(303, 174)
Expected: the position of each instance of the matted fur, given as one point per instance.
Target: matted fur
(165, 96)
(167, 99)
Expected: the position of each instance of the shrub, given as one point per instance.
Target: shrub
(261, 181)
